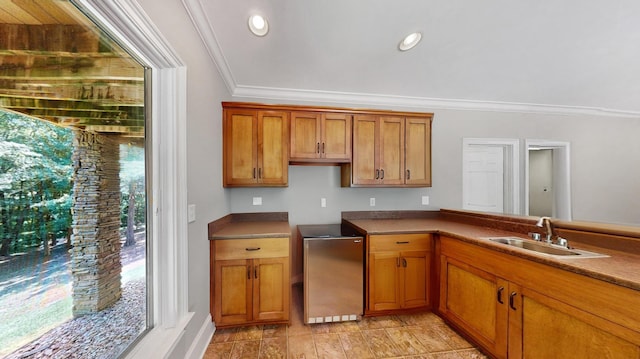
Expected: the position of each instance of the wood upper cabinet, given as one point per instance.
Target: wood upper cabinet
(399, 268)
(516, 308)
(251, 281)
(320, 137)
(256, 147)
(391, 151)
(418, 151)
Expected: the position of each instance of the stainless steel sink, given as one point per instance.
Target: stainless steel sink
(545, 248)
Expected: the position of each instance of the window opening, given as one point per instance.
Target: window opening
(73, 185)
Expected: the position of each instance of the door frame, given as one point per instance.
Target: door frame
(511, 183)
(561, 179)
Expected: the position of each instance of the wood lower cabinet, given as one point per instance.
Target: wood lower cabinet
(552, 329)
(475, 300)
(320, 137)
(514, 308)
(251, 281)
(256, 147)
(399, 268)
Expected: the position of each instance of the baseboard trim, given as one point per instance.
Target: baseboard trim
(201, 341)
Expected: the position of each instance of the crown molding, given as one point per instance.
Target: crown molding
(422, 103)
(207, 34)
(204, 28)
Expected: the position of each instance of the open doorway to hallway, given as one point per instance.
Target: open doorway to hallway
(547, 179)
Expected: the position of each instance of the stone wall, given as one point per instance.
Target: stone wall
(95, 259)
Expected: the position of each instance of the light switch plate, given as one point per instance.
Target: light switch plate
(323, 202)
(372, 202)
(425, 200)
(257, 201)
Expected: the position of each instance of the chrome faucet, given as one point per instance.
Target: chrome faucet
(541, 223)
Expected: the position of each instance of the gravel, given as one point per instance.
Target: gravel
(102, 335)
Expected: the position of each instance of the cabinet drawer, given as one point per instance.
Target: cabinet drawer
(251, 248)
(402, 242)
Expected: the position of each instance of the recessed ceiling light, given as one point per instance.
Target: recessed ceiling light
(258, 25)
(410, 41)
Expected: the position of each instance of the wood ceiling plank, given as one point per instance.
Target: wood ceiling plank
(33, 8)
(18, 13)
(63, 12)
(6, 17)
(56, 65)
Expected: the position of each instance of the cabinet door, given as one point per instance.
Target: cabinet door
(365, 150)
(415, 274)
(552, 329)
(306, 135)
(233, 284)
(476, 302)
(271, 289)
(391, 163)
(273, 148)
(384, 286)
(336, 137)
(240, 147)
(418, 151)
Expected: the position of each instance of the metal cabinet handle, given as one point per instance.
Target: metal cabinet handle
(404, 262)
(254, 172)
(260, 172)
(402, 242)
(408, 174)
(255, 272)
(500, 290)
(250, 249)
(317, 147)
(512, 300)
(322, 147)
(249, 272)
(377, 174)
(382, 172)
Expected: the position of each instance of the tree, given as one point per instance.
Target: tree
(35, 181)
(132, 188)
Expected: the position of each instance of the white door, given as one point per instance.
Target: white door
(483, 178)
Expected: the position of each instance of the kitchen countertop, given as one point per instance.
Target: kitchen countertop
(257, 229)
(251, 225)
(620, 268)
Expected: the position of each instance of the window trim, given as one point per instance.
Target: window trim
(128, 23)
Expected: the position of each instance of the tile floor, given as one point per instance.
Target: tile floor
(422, 335)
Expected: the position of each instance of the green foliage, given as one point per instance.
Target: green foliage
(35, 181)
(132, 171)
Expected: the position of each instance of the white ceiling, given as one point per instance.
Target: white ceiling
(525, 55)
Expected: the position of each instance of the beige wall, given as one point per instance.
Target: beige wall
(605, 168)
(205, 91)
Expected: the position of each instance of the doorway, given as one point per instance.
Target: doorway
(490, 175)
(547, 179)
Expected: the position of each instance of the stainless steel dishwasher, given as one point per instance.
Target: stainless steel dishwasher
(333, 274)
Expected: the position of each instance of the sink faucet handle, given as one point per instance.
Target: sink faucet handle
(562, 242)
(535, 236)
